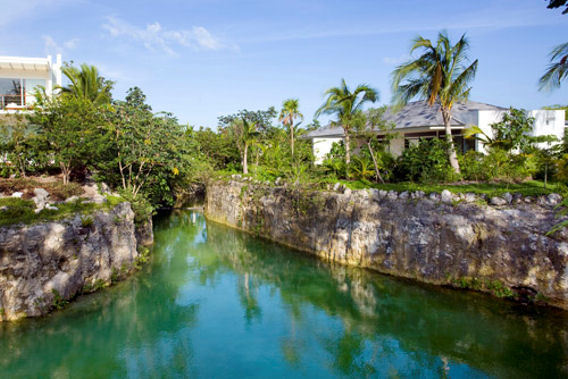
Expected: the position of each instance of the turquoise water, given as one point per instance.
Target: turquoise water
(215, 302)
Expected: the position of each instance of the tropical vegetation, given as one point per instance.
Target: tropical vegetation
(151, 159)
(441, 75)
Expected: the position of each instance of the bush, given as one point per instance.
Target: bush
(562, 168)
(141, 206)
(499, 164)
(426, 162)
(475, 166)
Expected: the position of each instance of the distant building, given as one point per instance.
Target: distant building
(19, 78)
(419, 120)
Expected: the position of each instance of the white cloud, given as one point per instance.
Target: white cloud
(155, 37)
(52, 47)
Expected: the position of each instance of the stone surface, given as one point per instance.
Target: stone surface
(40, 199)
(446, 197)
(424, 239)
(496, 200)
(39, 263)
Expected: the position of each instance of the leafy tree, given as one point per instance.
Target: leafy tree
(511, 133)
(345, 104)
(218, 147)
(367, 125)
(262, 119)
(289, 112)
(441, 76)
(557, 70)
(73, 129)
(87, 84)
(21, 143)
(246, 134)
(149, 148)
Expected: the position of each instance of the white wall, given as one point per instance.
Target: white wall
(546, 123)
(322, 146)
(484, 121)
(396, 146)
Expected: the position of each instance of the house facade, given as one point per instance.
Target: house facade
(21, 76)
(419, 120)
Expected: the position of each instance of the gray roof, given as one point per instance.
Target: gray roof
(419, 114)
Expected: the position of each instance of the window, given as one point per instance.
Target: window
(31, 85)
(11, 92)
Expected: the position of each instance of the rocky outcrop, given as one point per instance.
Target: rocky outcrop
(190, 196)
(144, 233)
(445, 239)
(43, 266)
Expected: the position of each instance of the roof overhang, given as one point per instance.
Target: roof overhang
(24, 64)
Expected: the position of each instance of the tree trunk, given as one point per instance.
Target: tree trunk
(377, 172)
(65, 171)
(452, 155)
(292, 139)
(347, 147)
(245, 159)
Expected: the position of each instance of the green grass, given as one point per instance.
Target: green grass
(22, 211)
(529, 188)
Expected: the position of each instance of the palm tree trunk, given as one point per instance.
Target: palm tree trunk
(447, 116)
(245, 159)
(347, 146)
(292, 138)
(377, 172)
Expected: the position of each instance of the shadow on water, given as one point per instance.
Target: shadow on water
(218, 302)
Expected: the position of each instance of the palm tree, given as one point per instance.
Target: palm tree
(246, 135)
(345, 104)
(288, 113)
(87, 84)
(557, 70)
(440, 75)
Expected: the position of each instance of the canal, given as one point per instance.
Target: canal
(215, 302)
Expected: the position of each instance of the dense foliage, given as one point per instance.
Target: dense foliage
(150, 159)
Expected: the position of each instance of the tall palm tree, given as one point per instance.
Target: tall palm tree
(557, 70)
(246, 136)
(441, 76)
(345, 105)
(87, 84)
(289, 112)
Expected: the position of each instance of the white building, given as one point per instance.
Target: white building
(419, 120)
(19, 78)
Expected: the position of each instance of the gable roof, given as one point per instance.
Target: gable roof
(420, 114)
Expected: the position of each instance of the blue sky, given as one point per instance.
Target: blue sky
(204, 58)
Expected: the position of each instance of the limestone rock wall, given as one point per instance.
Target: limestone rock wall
(440, 239)
(44, 265)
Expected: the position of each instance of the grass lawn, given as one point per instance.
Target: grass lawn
(22, 211)
(528, 188)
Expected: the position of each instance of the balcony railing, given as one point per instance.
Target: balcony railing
(12, 101)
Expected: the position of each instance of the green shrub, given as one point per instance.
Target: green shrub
(141, 206)
(475, 166)
(426, 162)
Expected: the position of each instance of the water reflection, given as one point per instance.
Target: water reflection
(217, 302)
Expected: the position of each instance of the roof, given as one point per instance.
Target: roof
(25, 64)
(419, 114)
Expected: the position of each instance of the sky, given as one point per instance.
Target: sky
(201, 59)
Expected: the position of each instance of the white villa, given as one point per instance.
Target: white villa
(20, 76)
(419, 120)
